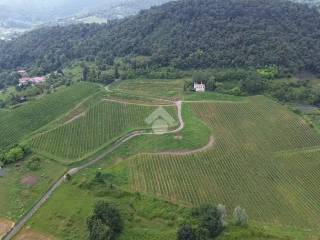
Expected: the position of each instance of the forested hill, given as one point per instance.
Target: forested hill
(187, 33)
(315, 3)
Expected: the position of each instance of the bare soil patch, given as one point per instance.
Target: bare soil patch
(5, 226)
(29, 181)
(29, 234)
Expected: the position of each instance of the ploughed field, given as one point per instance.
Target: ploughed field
(265, 159)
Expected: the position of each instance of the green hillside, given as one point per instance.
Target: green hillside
(94, 129)
(16, 196)
(239, 161)
(264, 158)
(313, 3)
(151, 88)
(20, 122)
(251, 165)
(183, 34)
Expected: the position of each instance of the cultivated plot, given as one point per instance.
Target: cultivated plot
(249, 165)
(18, 123)
(168, 89)
(94, 129)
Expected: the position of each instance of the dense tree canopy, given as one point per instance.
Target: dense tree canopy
(105, 223)
(184, 34)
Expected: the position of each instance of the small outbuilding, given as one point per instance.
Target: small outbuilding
(199, 87)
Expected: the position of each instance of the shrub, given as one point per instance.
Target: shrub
(201, 76)
(240, 216)
(34, 163)
(99, 230)
(14, 154)
(2, 103)
(268, 72)
(222, 211)
(236, 91)
(210, 220)
(186, 232)
(252, 85)
(68, 177)
(105, 223)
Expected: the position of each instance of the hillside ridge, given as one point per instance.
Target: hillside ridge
(183, 34)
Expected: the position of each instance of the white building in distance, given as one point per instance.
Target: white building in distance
(199, 87)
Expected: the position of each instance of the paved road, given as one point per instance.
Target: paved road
(24, 219)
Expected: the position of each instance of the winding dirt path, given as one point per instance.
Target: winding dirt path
(180, 118)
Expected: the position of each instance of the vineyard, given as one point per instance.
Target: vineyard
(94, 129)
(265, 159)
(18, 123)
(170, 89)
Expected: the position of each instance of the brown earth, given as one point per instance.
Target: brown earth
(5, 226)
(29, 181)
(29, 234)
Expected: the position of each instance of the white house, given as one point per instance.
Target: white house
(199, 87)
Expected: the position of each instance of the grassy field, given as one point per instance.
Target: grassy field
(17, 195)
(244, 167)
(195, 135)
(64, 216)
(93, 129)
(167, 89)
(17, 124)
(6, 93)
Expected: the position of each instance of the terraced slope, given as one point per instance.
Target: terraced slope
(251, 164)
(20, 122)
(94, 129)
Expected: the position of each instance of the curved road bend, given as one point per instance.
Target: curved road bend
(24, 219)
